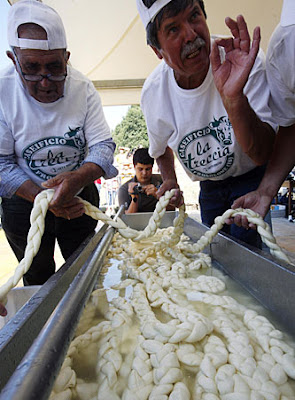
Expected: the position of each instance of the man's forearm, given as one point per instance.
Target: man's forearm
(166, 165)
(68, 184)
(88, 173)
(12, 177)
(133, 206)
(281, 162)
(102, 154)
(85, 175)
(255, 137)
(28, 191)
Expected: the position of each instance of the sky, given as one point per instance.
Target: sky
(113, 114)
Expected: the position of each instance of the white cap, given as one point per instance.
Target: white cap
(148, 14)
(288, 13)
(33, 11)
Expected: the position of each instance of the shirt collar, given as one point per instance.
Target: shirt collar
(288, 13)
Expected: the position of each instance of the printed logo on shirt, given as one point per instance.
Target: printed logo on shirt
(52, 155)
(207, 152)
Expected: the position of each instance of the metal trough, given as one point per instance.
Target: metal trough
(28, 371)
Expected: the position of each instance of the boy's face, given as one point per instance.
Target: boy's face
(143, 173)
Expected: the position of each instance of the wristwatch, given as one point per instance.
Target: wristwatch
(134, 199)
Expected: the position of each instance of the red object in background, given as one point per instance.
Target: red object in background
(98, 181)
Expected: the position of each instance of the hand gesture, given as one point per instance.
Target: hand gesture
(231, 75)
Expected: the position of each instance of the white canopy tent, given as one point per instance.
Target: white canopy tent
(107, 39)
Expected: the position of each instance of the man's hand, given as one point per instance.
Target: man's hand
(64, 204)
(67, 185)
(3, 311)
(150, 190)
(70, 210)
(133, 206)
(255, 136)
(256, 201)
(177, 199)
(131, 186)
(231, 75)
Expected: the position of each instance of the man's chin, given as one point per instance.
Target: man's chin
(46, 97)
(144, 181)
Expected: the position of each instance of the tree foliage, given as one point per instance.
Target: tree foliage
(132, 130)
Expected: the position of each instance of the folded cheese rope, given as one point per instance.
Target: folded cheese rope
(43, 199)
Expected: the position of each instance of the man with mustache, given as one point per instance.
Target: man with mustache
(207, 103)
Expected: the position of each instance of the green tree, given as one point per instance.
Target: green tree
(131, 131)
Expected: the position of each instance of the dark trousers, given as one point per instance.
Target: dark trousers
(68, 233)
(218, 196)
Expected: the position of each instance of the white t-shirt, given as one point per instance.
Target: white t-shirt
(280, 67)
(50, 138)
(195, 124)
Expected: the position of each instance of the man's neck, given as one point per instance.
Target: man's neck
(191, 81)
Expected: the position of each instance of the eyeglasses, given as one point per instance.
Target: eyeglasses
(39, 77)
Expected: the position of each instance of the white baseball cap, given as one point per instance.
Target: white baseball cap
(147, 15)
(33, 11)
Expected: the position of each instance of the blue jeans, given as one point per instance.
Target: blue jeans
(217, 196)
(69, 234)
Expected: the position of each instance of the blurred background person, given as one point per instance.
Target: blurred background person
(139, 194)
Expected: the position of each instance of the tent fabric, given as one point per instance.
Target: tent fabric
(108, 44)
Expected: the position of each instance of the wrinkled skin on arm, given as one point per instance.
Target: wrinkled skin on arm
(166, 166)
(66, 185)
(255, 137)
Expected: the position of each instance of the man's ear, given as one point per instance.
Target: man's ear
(157, 52)
(67, 56)
(10, 55)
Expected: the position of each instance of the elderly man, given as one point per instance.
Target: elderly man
(53, 134)
(139, 194)
(207, 103)
(281, 77)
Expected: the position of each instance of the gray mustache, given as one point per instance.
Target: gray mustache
(191, 47)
